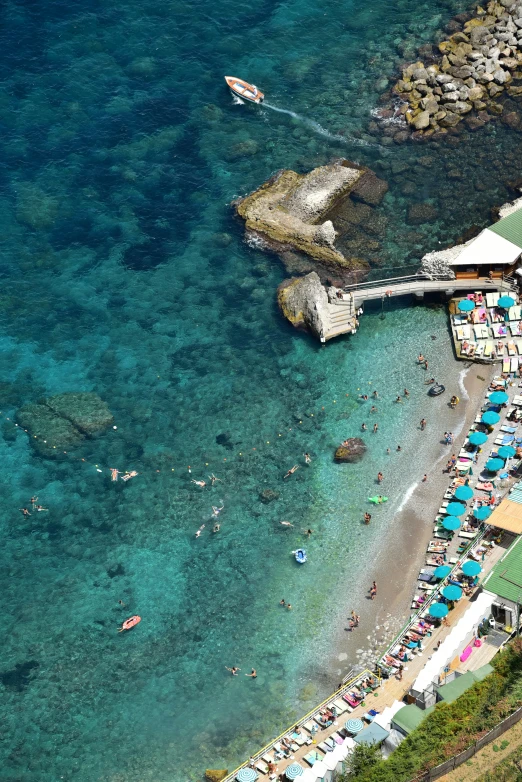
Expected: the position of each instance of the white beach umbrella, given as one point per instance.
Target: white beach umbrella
(320, 769)
(330, 761)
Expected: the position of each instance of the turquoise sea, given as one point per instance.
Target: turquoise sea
(124, 272)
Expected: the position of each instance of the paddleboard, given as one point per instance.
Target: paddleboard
(377, 501)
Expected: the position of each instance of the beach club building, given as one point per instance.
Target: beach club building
(495, 252)
(504, 583)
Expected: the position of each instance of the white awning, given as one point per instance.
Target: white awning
(455, 642)
(487, 249)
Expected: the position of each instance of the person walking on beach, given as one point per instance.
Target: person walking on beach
(423, 424)
(291, 471)
(233, 670)
(380, 477)
(399, 672)
(373, 591)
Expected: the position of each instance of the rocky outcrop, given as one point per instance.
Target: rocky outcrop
(293, 213)
(62, 422)
(475, 66)
(216, 775)
(352, 450)
(304, 302)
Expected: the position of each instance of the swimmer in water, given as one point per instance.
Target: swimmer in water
(286, 523)
(212, 478)
(198, 533)
(308, 458)
(216, 511)
(129, 475)
(216, 527)
(114, 474)
(291, 471)
(199, 483)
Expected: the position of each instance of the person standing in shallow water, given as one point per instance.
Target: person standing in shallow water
(423, 424)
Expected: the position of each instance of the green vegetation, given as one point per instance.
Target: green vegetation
(453, 727)
(508, 770)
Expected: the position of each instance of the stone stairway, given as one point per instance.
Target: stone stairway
(341, 318)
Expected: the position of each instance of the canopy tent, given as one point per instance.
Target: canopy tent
(505, 580)
(455, 642)
(489, 248)
(373, 734)
(508, 516)
(410, 717)
(453, 690)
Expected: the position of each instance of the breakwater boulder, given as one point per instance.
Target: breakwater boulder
(304, 216)
(352, 450)
(474, 66)
(63, 421)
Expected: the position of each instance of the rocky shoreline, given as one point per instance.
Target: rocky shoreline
(479, 62)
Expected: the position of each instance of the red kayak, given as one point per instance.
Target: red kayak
(130, 623)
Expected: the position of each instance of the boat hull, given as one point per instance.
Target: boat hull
(243, 90)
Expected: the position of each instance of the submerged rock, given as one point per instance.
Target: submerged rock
(216, 775)
(63, 421)
(268, 495)
(422, 213)
(352, 450)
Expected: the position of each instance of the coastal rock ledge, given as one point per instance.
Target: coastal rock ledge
(294, 214)
(352, 450)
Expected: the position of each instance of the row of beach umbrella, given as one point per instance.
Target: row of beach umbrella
(294, 770)
(505, 302)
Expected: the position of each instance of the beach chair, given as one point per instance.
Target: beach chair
(262, 767)
(341, 706)
(311, 727)
(459, 320)
(481, 345)
(488, 349)
(514, 313)
(514, 363)
(313, 757)
(506, 363)
(325, 747)
(489, 300)
(511, 348)
(299, 738)
(267, 758)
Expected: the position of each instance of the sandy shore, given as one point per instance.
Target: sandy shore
(395, 570)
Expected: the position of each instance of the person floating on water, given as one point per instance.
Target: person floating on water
(233, 670)
(307, 458)
(420, 359)
(286, 523)
(252, 675)
(373, 409)
(399, 399)
(282, 602)
(406, 392)
(375, 395)
(41, 507)
(216, 527)
(364, 427)
(24, 511)
(375, 428)
(198, 533)
(212, 478)
(217, 511)
(129, 475)
(199, 483)
(34, 500)
(114, 474)
(291, 471)
(423, 424)
(308, 532)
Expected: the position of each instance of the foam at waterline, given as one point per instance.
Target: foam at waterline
(407, 496)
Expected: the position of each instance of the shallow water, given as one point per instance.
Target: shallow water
(125, 273)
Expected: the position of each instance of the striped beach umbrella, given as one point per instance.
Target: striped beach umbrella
(506, 451)
(482, 513)
(452, 592)
(498, 397)
(463, 493)
(494, 465)
(442, 571)
(438, 610)
(490, 418)
(471, 568)
(505, 302)
(293, 771)
(466, 305)
(354, 726)
(456, 509)
(246, 774)
(451, 523)
(478, 438)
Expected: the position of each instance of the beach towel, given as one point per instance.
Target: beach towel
(459, 320)
(313, 757)
(505, 364)
(499, 330)
(511, 348)
(507, 428)
(463, 332)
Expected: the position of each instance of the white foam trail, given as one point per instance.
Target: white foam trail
(407, 496)
(237, 101)
(462, 375)
(311, 123)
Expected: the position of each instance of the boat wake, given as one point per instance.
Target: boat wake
(315, 126)
(237, 101)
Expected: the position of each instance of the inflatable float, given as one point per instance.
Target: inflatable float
(436, 389)
(300, 556)
(378, 500)
(130, 623)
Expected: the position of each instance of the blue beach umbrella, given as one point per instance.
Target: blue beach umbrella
(506, 452)
(505, 302)
(478, 438)
(471, 568)
(354, 726)
(438, 610)
(490, 418)
(498, 397)
(463, 493)
(466, 305)
(456, 509)
(451, 523)
(442, 571)
(452, 592)
(246, 774)
(482, 513)
(493, 465)
(293, 771)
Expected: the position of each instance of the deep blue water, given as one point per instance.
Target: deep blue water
(124, 272)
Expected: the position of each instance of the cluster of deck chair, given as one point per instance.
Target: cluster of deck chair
(306, 734)
(488, 333)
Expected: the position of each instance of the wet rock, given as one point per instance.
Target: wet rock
(474, 123)
(422, 213)
(369, 189)
(512, 120)
(352, 450)
(422, 120)
(450, 120)
(216, 775)
(268, 495)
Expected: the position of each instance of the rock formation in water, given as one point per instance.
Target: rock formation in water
(63, 421)
(301, 216)
(304, 302)
(476, 65)
(352, 450)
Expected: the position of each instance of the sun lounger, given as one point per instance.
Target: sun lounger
(325, 747)
(262, 767)
(499, 330)
(313, 757)
(508, 428)
(488, 349)
(514, 313)
(506, 363)
(514, 363)
(481, 345)
(311, 726)
(481, 331)
(459, 320)
(299, 738)
(492, 298)
(468, 535)
(511, 348)
(463, 332)
(267, 758)
(432, 561)
(514, 328)
(341, 706)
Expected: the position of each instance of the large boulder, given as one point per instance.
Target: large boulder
(352, 450)
(369, 189)
(61, 422)
(304, 302)
(422, 213)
